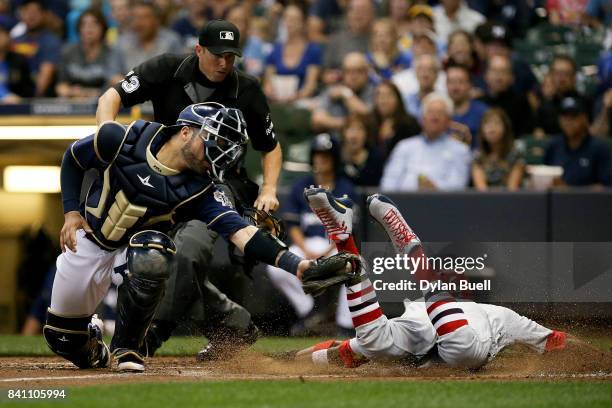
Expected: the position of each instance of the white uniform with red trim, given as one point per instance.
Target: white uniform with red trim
(488, 330)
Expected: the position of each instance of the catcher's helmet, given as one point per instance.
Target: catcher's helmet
(223, 130)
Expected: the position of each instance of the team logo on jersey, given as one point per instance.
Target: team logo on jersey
(145, 180)
(222, 198)
(226, 35)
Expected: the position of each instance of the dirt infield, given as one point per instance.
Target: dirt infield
(578, 361)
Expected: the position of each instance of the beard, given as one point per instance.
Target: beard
(196, 165)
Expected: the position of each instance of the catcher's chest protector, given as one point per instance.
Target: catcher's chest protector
(136, 191)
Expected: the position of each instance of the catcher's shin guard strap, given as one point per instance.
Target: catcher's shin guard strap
(264, 247)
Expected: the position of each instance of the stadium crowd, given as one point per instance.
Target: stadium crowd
(445, 94)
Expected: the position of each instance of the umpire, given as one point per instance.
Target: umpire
(172, 82)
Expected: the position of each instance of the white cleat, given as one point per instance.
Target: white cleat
(336, 214)
(385, 212)
(129, 361)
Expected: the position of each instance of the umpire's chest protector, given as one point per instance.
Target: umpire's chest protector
(135, 191)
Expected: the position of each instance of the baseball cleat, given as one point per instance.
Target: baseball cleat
(336, 214)
(385, 212)
(102, 355)
(228, 346)
(129, 361)
(556, 341)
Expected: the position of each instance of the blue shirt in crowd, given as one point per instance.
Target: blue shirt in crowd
(38, 48)
(472, 119)
(402, 61)
(313, 55)
(588, 164)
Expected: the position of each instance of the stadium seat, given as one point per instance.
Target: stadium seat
(533, 148)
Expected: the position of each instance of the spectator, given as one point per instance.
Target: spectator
(38, 45)
(354, 38)
(324, 16)
(15, 80)
(563, 75)
(602, 124)
(497, 41)
(584, 158)
(293, 67)
(384, 56)
(500, 93)
(401, 20)
(363, 162)
(355, 95)
(89, 66)
(452, 15)
(189, 25)
(461, 51)
(255, 49)
(468, 111)
(306, 231)
(406, 80)
(566, 12)
(427, 69)
(121, 20)
(432, 160)
(147, 38)
(391, 122)
(420, 21)
(497, 163)
(599, 12)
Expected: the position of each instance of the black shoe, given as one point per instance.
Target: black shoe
(129, 361)
(225, 347)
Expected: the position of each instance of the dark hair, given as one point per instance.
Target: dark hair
(364, 121)
(470, 37)
(566, 58)
(400, 116)
(150, 4)
(454, 65)
(507, 138)
(40, 3)
(97, 14)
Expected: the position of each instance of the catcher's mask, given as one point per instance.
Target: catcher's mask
(265, 221)
(223, 131)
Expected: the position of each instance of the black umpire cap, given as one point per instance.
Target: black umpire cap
(219, 37)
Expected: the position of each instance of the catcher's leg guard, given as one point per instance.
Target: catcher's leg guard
(150, 256)
(77, 339)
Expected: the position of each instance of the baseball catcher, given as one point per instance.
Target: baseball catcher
(149, 177)
(434, 328)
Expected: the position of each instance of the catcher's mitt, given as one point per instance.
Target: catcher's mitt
(265, 221)
(327, 272)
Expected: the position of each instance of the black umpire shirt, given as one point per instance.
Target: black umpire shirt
(172, 82)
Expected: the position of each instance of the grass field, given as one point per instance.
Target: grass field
(237, 388)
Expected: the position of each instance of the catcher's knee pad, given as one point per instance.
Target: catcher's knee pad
(150, 255)
(76, 339)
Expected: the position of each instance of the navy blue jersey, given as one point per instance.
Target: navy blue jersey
(134, 191)
(296, 211)
(589, 164)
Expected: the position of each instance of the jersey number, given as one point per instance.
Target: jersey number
(130, 84)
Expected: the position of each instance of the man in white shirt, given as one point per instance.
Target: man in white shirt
(432, 160)
(453, 15)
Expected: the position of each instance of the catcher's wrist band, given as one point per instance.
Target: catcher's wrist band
(264, 247)
(289, 262)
